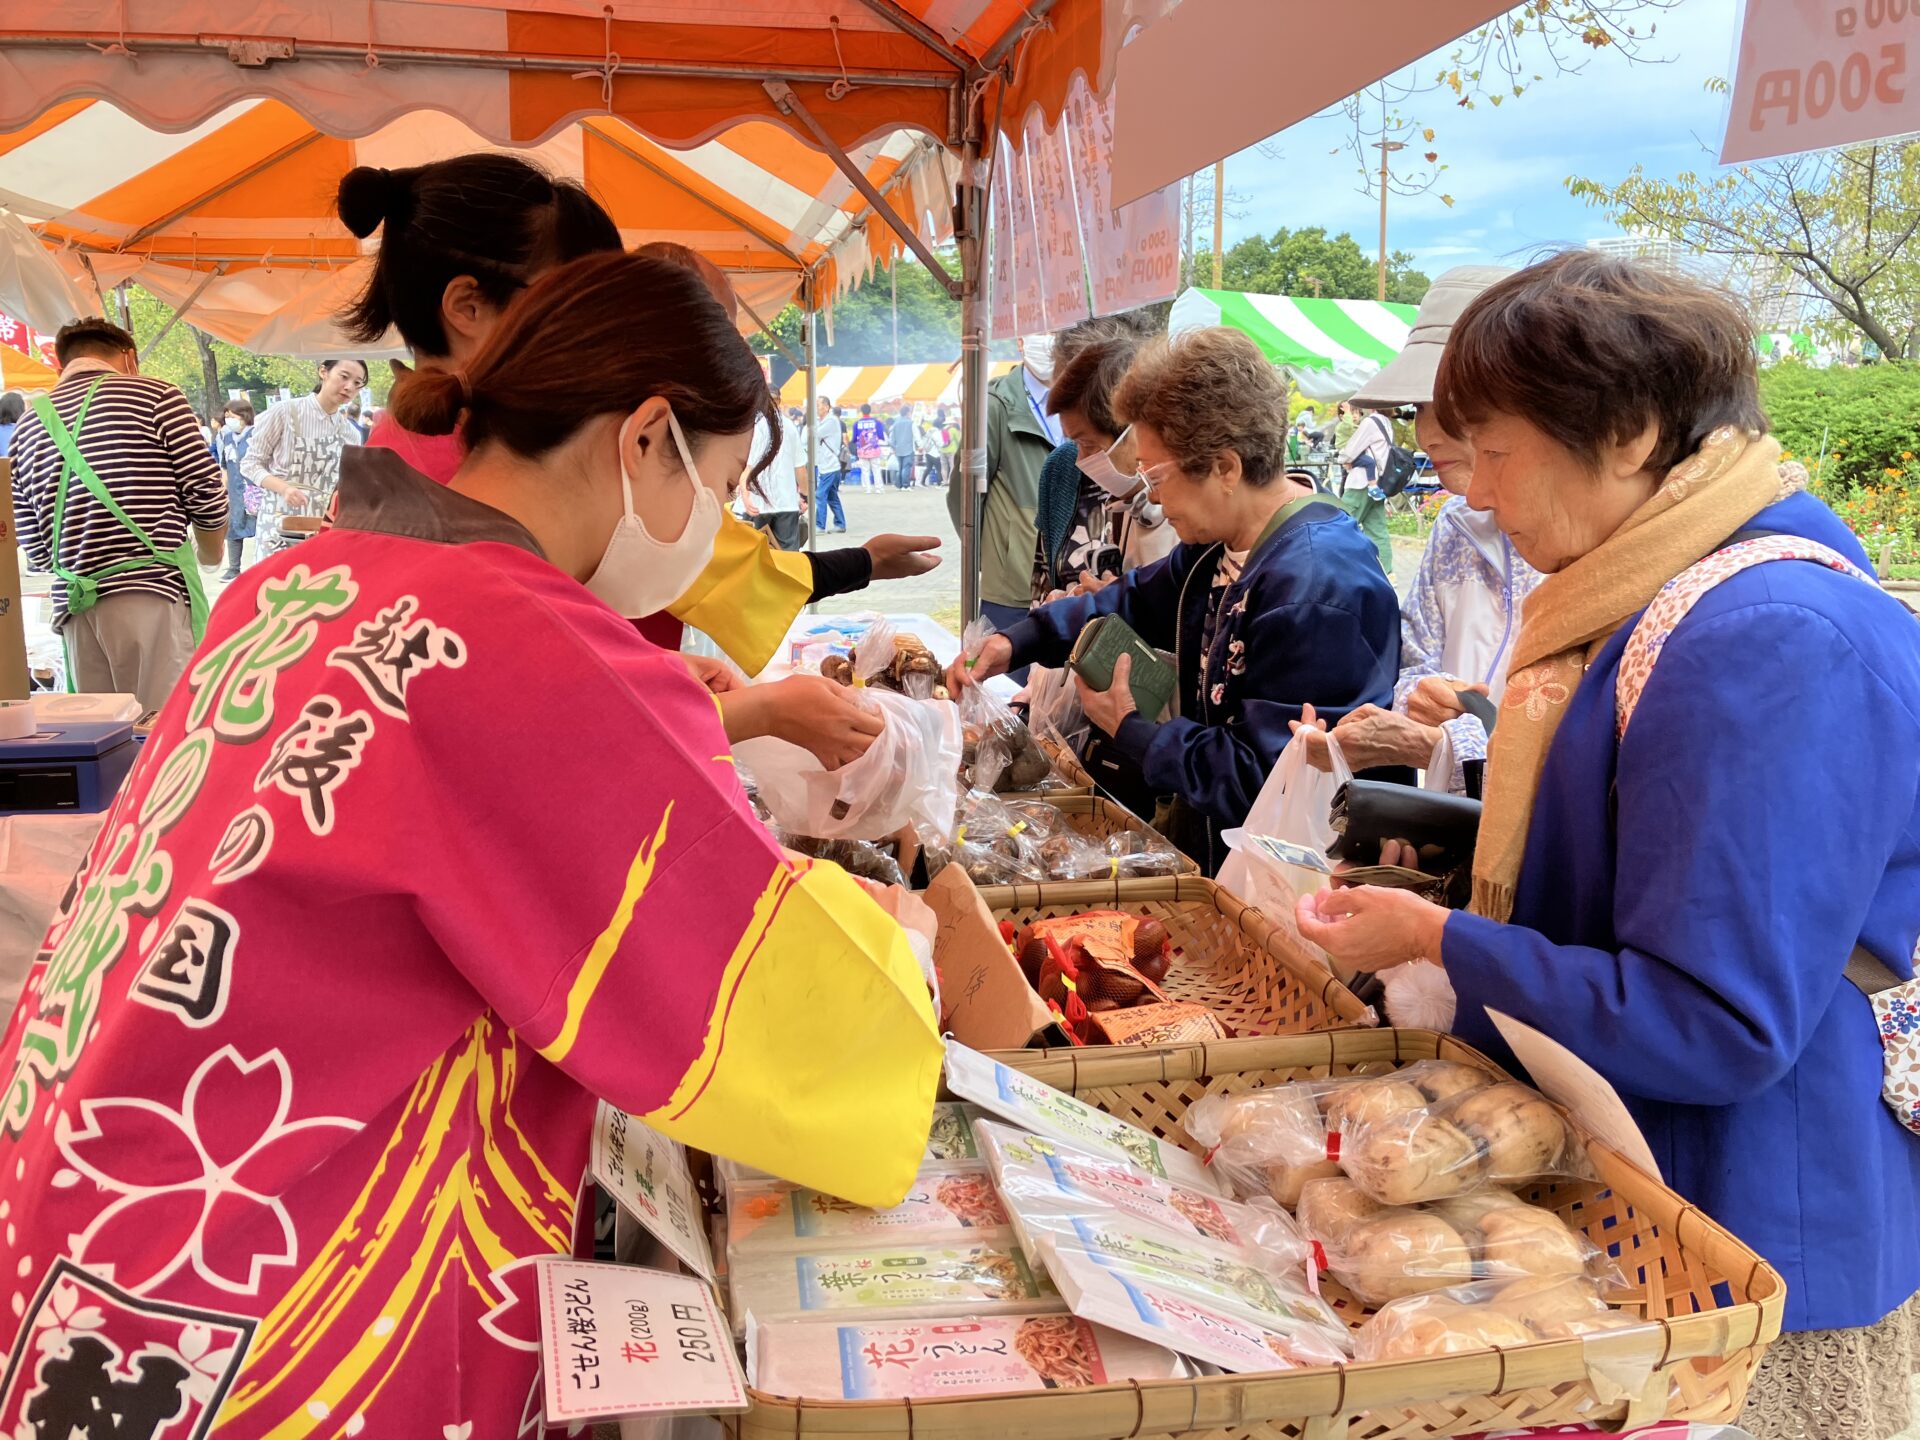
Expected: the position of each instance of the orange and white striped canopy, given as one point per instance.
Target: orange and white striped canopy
(249, 194)
(882, 384)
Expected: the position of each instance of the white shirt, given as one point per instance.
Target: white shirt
(781, 482)
(1037, 398)
(826, 445)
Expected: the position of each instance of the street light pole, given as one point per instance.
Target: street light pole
(1314, 281)
(1219, 217)
(1386, 148)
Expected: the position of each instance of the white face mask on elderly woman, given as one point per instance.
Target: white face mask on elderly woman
(1100, 468)
(640, 575)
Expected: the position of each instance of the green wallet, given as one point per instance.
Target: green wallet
(1101, 644)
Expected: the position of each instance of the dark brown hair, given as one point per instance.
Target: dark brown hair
(596, 337)
(1205, 393)
(1088, 381)
(1592, 350)
(494, 217)
(93, 336)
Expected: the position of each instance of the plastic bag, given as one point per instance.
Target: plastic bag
(998, 751)
(1053, 707)
(1273, 1141)
(907, 776)
(1480, 1316)
(1385, 1252)
(1291, 809)
(1402, 1149)
(861, 858)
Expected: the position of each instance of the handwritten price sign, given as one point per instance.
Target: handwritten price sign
(1814, 74)
(620, 1340)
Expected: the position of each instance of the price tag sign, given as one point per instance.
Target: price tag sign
(647, 1174)
(1814, 75)
(621, 1340)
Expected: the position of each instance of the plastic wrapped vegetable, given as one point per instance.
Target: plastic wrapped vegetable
(1479, 1316)
(1502, 1134)
(863, 858)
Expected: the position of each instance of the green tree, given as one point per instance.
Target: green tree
(1841, 224)
(1290, 262)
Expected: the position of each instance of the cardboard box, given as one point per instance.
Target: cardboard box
(988, 1003)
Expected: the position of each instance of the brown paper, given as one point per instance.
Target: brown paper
(1175, 1022)
(988, 1003)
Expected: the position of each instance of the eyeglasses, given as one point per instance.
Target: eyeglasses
(1147, 474)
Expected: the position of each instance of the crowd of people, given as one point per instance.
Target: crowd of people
(1623, 600)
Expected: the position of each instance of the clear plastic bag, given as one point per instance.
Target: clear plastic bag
(862, 858)
(1053, 707)
(1291, 809)
(994, 842)
(1480, 1316)
(1403, 1153)
(1385, 1252)
(998, 751)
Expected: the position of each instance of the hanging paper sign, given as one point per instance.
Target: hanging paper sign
(1812, 76)
(15, 335)
(1029, 310)
(1056, 223)
(622, 1340)
(1133, 256)
(646, 1173)
(1000, 264)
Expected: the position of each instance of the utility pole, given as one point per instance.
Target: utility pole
(1386, 148)
(1314, 281)
(1219, 218)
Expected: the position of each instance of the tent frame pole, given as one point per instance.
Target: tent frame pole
(791, 105)
(185, 305)
(891, 12)
(767, 330)
(971, 235)
(810, 420)
(646, 163)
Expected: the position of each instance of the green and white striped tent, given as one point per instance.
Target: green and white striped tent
(1330, 347)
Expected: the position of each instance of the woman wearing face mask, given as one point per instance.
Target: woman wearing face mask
(423, 776)
(1272, 602)
(294, 452)
(243, 500)
(1459, 621)
(458, 239)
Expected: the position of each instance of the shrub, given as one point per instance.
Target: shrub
(1869, 414)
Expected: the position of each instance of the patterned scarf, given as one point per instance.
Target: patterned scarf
(1704, 500)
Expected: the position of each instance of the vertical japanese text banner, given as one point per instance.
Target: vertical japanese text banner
(1134, 255)
(1056, 223)
(1814, 75)
(1029, 308)
(1000, 263)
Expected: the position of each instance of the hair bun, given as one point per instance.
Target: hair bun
(370, 196)
(430, 402)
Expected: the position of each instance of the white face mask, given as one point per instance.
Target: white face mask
(1036, 352)
(1099, 468)
(640, 575)
(233, 425)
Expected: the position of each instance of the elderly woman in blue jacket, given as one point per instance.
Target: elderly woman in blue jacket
(1273, 601)
(1703, 804)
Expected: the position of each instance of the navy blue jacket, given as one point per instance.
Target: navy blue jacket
(1689, 898)
(1311, 621)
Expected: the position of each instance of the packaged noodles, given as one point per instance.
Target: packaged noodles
(1040, 1179)
(1162, 1315)
(1256, 1289)
(1031, 1105)
(988, 1276)
(946, 1204)
(929, 1359)
(950, 1137)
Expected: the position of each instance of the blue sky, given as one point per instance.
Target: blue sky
(1508, 166)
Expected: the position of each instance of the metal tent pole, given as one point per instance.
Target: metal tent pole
(971, 236)
(811, 421)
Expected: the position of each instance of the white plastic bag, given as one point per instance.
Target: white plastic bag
(1292, 808)
(909, 775)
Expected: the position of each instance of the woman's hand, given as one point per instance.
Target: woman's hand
(1092, 584)
(1107, 708)
(1370, 736)
(718, 676)
(1315, 729)
(995, 658)
(1433, 701)
(1366, 928)
(805, 710)
(897, 557)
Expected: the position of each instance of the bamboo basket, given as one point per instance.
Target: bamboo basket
(1229, 956)
(1678, 1264)
(1098, 817)
(1067, 764)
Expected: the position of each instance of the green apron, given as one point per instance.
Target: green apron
(83, 591)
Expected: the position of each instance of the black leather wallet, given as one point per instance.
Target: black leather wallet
(1366, 812)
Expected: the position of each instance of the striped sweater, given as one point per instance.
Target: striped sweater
(143, 442)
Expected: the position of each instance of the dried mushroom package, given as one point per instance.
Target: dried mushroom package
(1383, 1253)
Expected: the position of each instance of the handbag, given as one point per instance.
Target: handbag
(1895, 1000)
(1399, 470)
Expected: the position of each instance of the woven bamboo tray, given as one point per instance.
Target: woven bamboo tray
(1678, 1265)
(1067, 764)
(1227, 955)
(1097, 817)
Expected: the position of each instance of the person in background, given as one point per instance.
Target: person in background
(1463, 613)
(1346, 421)
(869, 442)
(1020, 436)
(829, 440)
(1272, 602)
(383, 998)
(949, 446)
(243, 500)
(294, 453)
(1365, 457)
(12, 406)
(459, 239)
(776, 483)
(905, 442)
(127, 598)
(927, 448)
(1670, 881)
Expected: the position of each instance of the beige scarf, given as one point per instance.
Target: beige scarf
(1704, 499)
